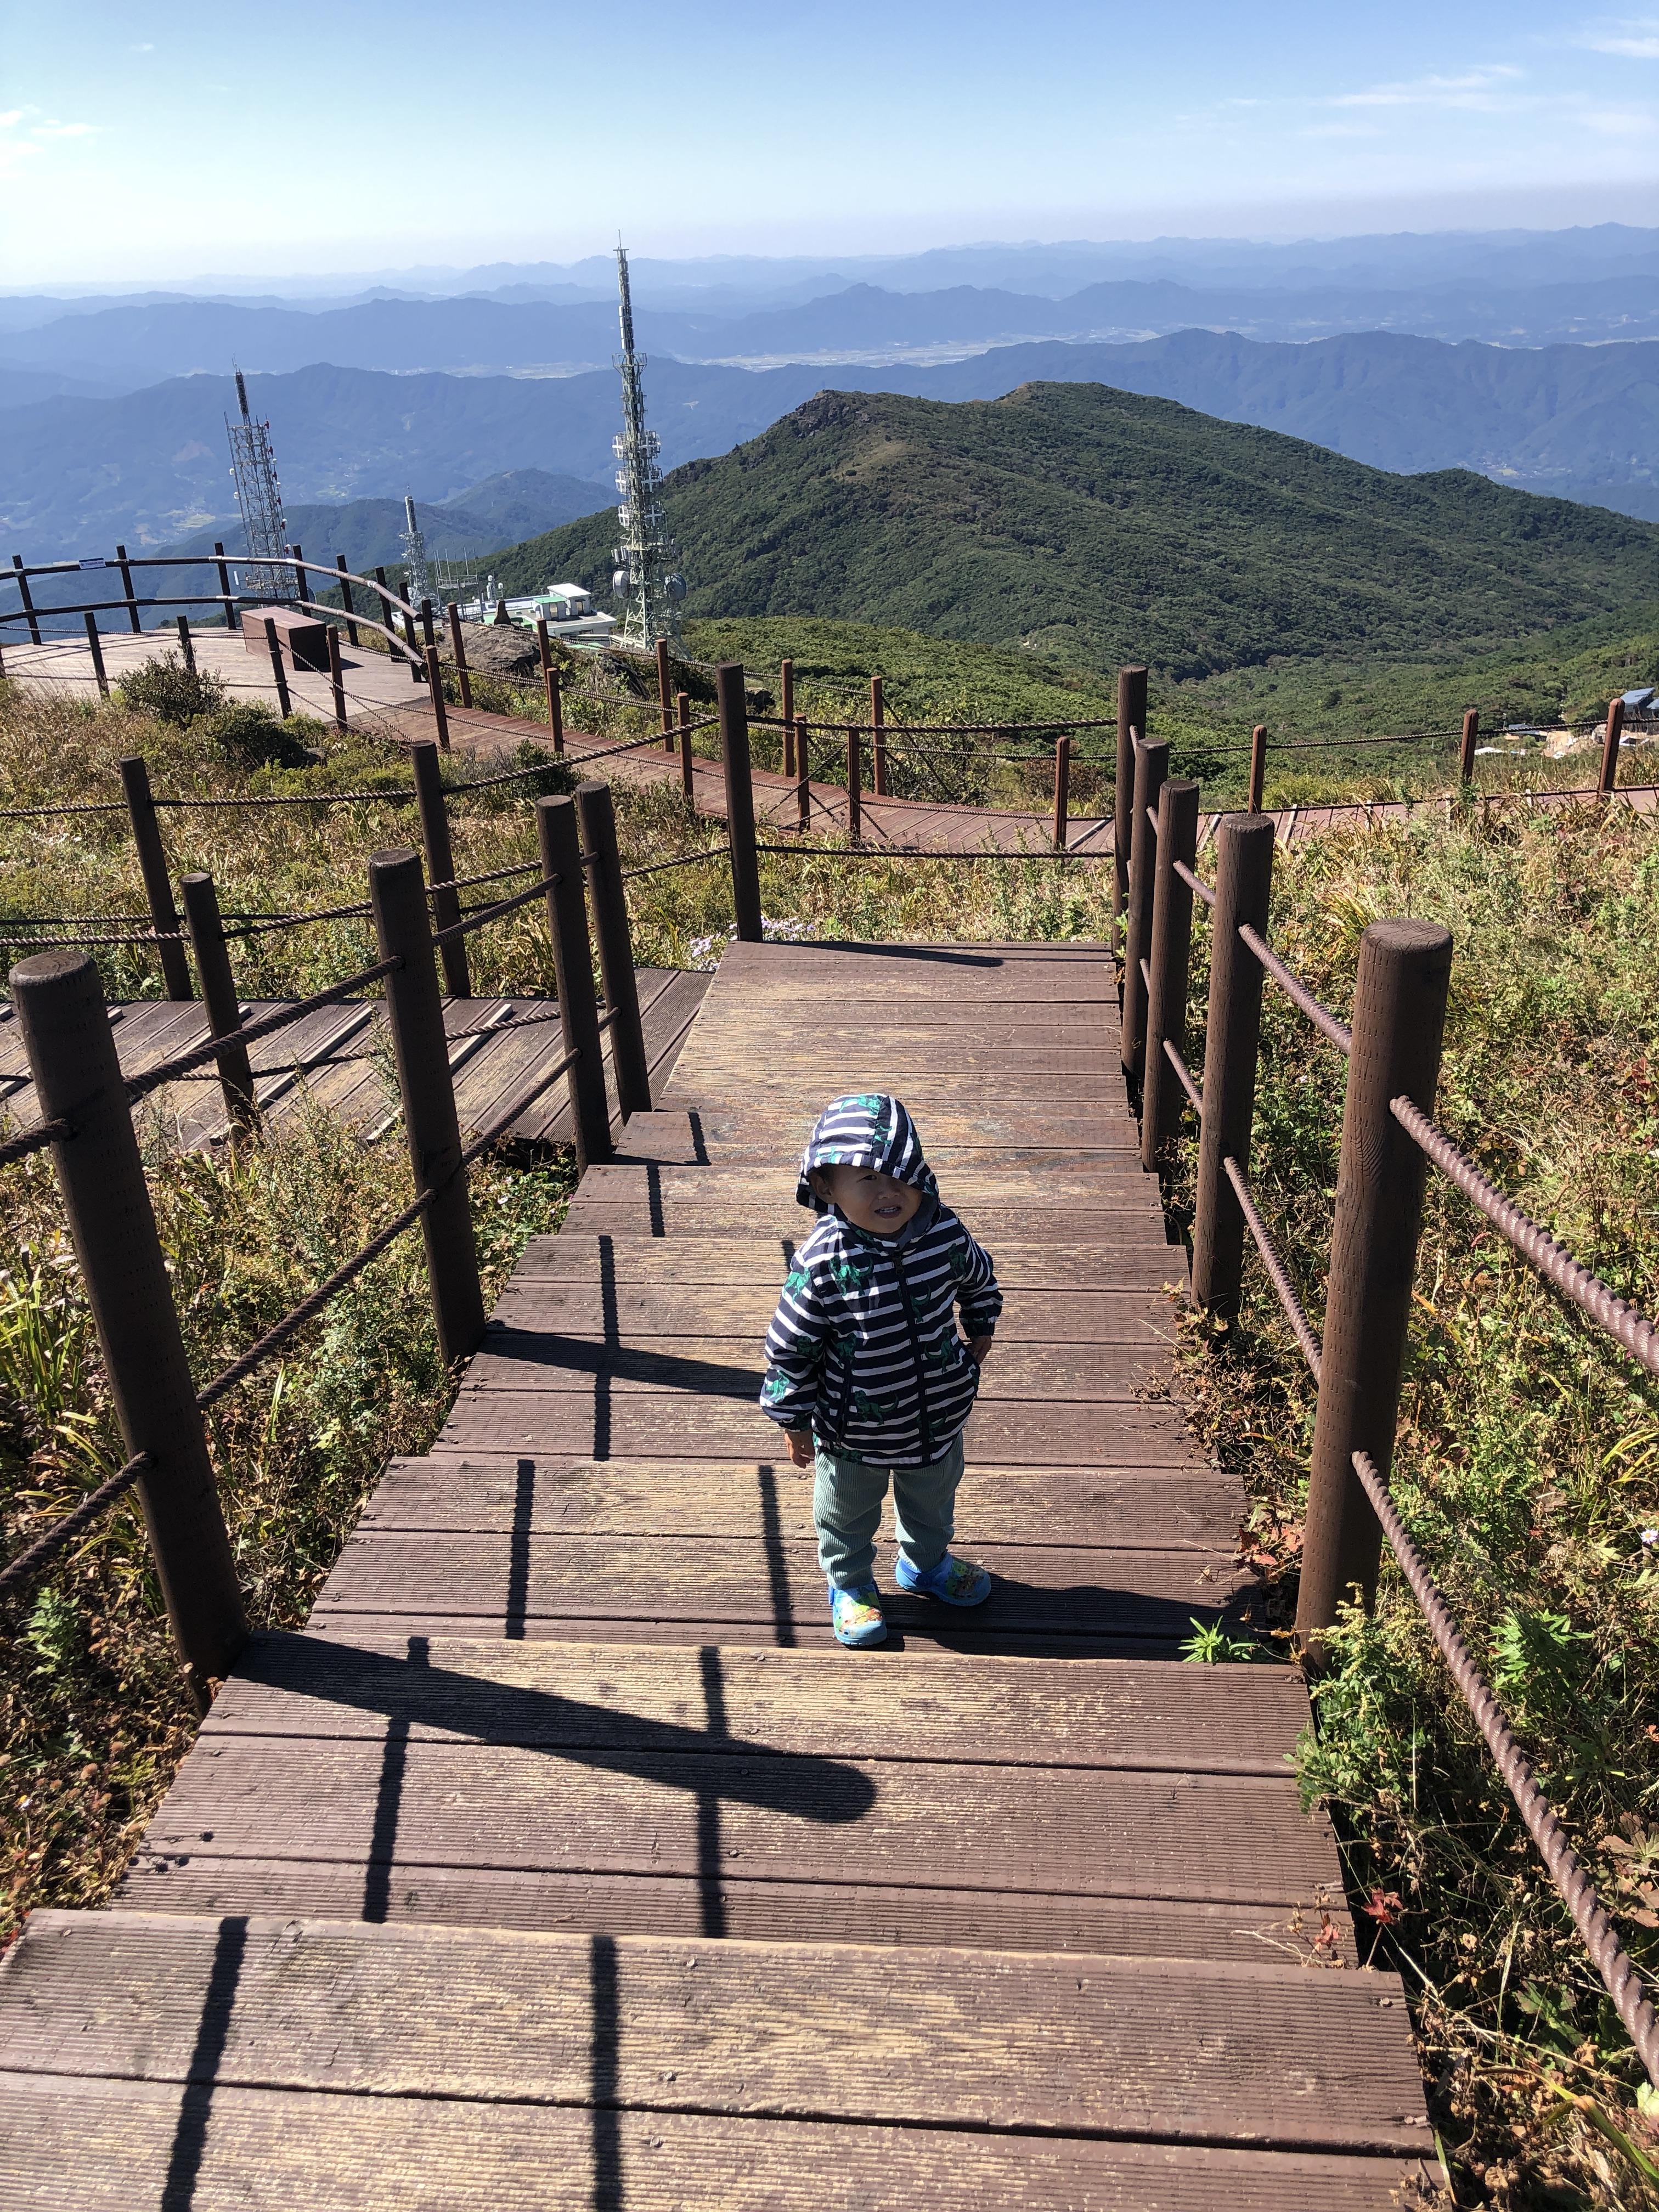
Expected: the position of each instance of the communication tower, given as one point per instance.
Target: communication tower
(646, 576)
(260, 496)
(417, 570)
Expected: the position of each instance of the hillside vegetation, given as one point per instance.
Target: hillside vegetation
(1095, 526)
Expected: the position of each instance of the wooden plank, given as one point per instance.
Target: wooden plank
(1153, 1510)
(111, 2147)
(1013, 1712)
(1059, 1264)
(1014, 2040)
(1106, 1187)
(753, 1816)
(1049, 1589)
(733, 1366)
(604, 1425)
(626, 1311)
(776, 1214)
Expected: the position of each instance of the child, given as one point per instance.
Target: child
(863, 1357)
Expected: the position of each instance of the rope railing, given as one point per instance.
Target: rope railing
(1278, 1274)
(1297, 991)
(456, 930)
(32, 1563)
(187, 1063)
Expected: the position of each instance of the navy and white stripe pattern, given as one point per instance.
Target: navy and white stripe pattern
(864, 1348)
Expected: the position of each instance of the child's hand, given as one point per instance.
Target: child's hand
(977, 1348)
(800, 1447)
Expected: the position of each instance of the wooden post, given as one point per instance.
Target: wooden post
(27, 600)
(153, 867)
(301, 581)
(224, 1012)
(665, 696)
(877, 739)
(803, 777)
(346, 602)
(787, 712)
(388, 614)
(854, 792)
(72, 1054)
(608, 897)
(560, 846)
(1607, 782)
(439, 863)
(278, 674)
(97, 645)
(1131, 723)
(1063, 790)
(414, 1010)
(412, 652)
(551, 684)
(428, 632)
(1151, 765)
(125, 567)
(1258, 768)
(739, 799)
(1243, 879)
(1465, 750)
(688, 779)
(337, 678)
(1162, 1096)
(228, 598)
(434, 677)
(458, 647)
(1399, 1013)
(186, 644)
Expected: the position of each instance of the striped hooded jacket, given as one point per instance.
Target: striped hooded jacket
(864, 1348)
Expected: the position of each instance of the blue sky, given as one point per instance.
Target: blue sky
(144, 141)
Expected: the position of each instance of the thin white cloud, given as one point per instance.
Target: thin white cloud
(148, 47)
(1479, 88)
(62, 130)
(11, 117)
(1634, 37)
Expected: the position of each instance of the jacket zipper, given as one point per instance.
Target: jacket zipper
(922, 1417)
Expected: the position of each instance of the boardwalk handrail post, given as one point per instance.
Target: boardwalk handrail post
(854, 785)
(1607, 782)
(335, 678)
(224, 1011)
(1244, 881)
(186, 644)
(458, 647)
(226, 596)
(1162, 1097)
(1465, 747)
(787, 712)
(439, 863)
(434, 677)
(596, 819)
(278, 674)
(346, 601)
(1063, 790)
(1151, 765)
(688, 779)
(559, 843)
(1258, 768)
(803, 776)
(153, 867)
(665, 694)
(739, 799)
(125, 567)
(1399, 1016)
(415, 1010)
(303, 582)
(96, 645)
(22, 582)
(1131, 723)
(877, 739)
(551, 684)
(428, 630)
(77, 1078)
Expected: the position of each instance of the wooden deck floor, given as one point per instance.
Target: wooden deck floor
(339, 1060)
(566, 1862)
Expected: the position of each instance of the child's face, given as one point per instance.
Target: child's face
(878, 1204)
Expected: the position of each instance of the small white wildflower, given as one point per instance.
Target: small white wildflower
(1650, 1536)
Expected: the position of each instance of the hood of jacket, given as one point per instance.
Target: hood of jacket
(871, 1130)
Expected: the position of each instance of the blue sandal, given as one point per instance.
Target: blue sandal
(953, 1582)
(856, 1616)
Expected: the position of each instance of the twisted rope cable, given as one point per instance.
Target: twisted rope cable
(187, 1063)
(685, 861)
(486, 913)
(33, 1140)
(1612, 1961)
(1295, 990)
(1195, 885)
(1629, 1327)
(1183, 1075)
(40, 1555)
(1300, 1327)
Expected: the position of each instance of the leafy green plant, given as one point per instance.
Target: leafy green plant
(173, 692)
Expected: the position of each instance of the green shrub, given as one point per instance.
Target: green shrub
(250, 734)
(166, 688)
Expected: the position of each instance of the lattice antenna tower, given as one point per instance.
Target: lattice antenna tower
(646, 576)
(417, 570)
(260, 496)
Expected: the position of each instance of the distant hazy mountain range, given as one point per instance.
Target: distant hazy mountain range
(151, 467)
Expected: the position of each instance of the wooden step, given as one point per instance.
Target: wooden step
(986, 1133)
(974, 2046)
(1139, 1260)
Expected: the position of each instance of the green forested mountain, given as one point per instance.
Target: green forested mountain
(1094, 525)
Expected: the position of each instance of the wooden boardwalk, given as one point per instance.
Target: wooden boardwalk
(338, 1060)
(565, 1862)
